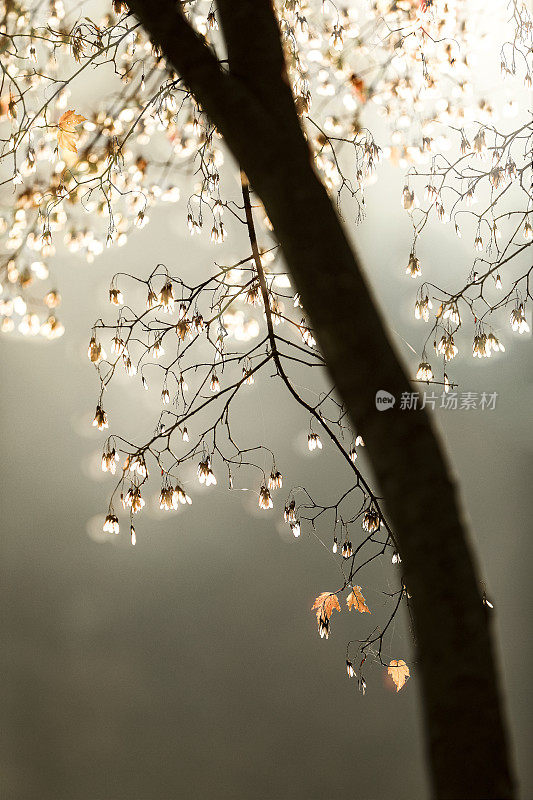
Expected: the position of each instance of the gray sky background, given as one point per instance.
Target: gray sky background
(189, 666)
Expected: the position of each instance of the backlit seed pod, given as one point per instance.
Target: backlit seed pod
(413, 267)
(480, 145)
(323, 626)
(518, 319)
(205, 473)
(480, 346)
(100, 419)
(133, 499)
(214, 384)
(253, 296)
(95, 351)
(275, 480)
(183, 329)
(451, 312)
(493, 343)
(347, 550)
(424, 373)
(110, 458)
(118, 347)
(197, 323)
(306, 335)
(422, 309)
(168, 498)
(313, 441)
(52, 299)
(265, 498)
(158, 349)
(137, 464)
(408, 198)
(371, 520)
(111, 524)
(52, 328)
(129, 366)
(182, 496)
(115, 296)
(166, 297)
(446, 347)
(152, 299)
(289, 513)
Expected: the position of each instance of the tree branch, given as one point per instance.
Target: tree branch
(257, 59)
(465, 725)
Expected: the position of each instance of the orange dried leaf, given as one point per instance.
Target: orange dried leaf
(67, 135)
(358, 86)
(325, 604)
(399, 672)
(356, 600)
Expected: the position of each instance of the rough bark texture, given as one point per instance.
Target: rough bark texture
(252, 106)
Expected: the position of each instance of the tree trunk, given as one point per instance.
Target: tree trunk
(252, 106)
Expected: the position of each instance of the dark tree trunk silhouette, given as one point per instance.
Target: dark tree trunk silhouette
(250, 102)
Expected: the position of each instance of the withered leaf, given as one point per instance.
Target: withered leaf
(67, 135)
(325, 604)
(356, 600)
(399, 672)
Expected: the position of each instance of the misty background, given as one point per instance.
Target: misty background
(190, 666)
